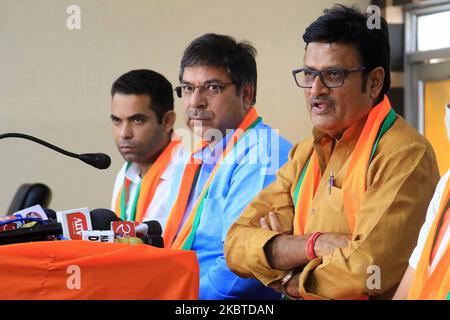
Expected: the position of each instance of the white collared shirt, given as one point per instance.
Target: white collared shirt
(157, 210)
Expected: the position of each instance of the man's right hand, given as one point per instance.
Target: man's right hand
(286, 252)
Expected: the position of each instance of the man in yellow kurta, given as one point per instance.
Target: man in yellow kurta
(342, 217)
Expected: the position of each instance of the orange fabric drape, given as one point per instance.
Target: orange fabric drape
(175, 219)
(176, 216)
(307, 191)
(149, 183)
(96, 271)
(434, 285)
(441, 235)
(354, 182)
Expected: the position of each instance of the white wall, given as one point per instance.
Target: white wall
(55, 82)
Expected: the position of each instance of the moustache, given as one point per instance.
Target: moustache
(127, 143)
(321, 99)
(199, 114)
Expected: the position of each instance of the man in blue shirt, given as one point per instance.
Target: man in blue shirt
(239, 157)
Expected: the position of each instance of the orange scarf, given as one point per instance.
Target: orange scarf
(148, 184)
(434, 285)
(171, 240)
(379, 120)
(190, 175)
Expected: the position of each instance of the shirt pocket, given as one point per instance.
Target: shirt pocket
(211, 222)
(329, 216)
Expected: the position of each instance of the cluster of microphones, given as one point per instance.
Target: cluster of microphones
(99, 225)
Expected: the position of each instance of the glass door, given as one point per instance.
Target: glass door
(427, 73)
(436, 96)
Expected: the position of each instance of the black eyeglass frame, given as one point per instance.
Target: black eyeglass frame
(345, 73)
(221, 87)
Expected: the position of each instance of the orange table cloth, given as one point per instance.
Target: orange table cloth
(96, 271)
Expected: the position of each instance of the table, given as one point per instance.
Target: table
(96, 271)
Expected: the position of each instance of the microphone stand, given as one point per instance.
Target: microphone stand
(98, 160)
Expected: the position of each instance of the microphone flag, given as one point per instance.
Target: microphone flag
(123, 228)
(74, 222)
(35, 211)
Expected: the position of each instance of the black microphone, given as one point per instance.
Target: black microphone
(98, 160)
(41, 232)
(153, 240)
(102, 218)
(51, 214)
(149, 231)
(151, 227)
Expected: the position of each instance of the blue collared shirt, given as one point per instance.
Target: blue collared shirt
(246, 170)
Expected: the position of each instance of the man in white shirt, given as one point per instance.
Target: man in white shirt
(414, 285)
(142, 119)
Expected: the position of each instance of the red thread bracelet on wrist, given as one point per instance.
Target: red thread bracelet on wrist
(310, 254)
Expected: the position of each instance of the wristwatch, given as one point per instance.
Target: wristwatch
(288, 276)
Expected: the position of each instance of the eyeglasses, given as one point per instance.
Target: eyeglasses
(331, 78)
(208, 89)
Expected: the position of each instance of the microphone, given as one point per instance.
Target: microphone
(151, 227)
(102, 218)
(149, 231)
(41, 232)
(51, 214)
(154, 240)
(35, 233)
(97, 160)
(19, 218)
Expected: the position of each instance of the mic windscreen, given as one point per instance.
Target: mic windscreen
(98, 160)
(51, 214)
(153, 240)
(101, 219)
(154, 227)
